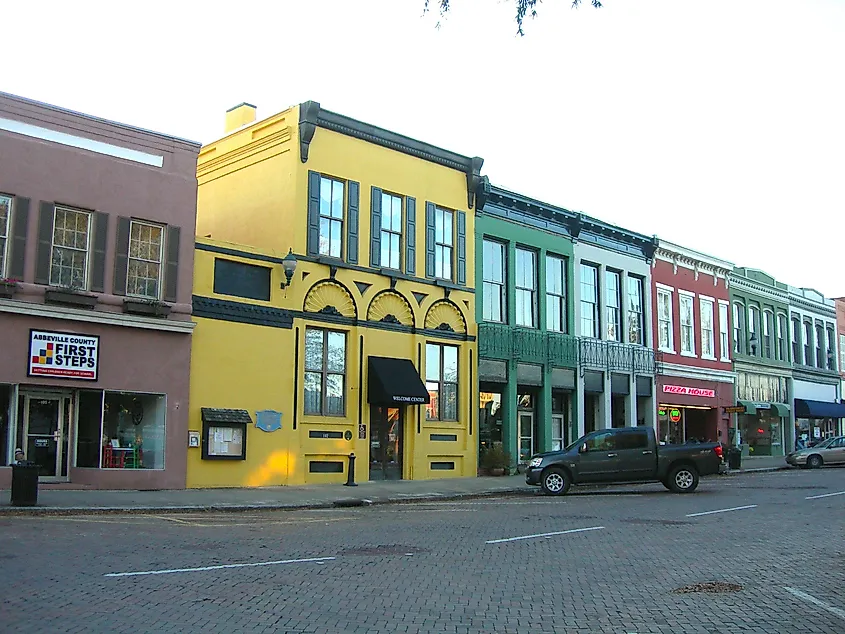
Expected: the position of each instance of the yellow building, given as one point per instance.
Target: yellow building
(367, 344)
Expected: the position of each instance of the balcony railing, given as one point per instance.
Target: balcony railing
(612, 355)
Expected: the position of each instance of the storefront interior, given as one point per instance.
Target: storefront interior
(680, 424)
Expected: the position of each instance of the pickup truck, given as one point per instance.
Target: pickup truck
(627, 454)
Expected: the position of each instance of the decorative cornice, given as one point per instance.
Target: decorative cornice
(241, 312)
(699, 266)
(818, 310)
(691, 372)
(739, 282)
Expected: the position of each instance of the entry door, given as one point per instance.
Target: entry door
(526, 436)
(46, 426)
(558, 432)
(385, 443)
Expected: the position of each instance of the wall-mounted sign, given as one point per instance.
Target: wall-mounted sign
(675, 415)
(362, 431)
(193, 439)
(689, 391)
(268, 420)
(763, 405)
(734, 409)
(63, 355)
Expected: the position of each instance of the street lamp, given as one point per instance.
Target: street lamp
(289, 266)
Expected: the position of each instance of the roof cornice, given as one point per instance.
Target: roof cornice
(692, 259)
(739, 282)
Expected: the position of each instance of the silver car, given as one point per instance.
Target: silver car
(829, 451)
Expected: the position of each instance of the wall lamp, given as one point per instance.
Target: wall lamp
(289, 266)
(753, 342)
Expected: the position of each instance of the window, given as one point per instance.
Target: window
(69, 262)
(5, 217)
(602, 442)
(556, 293)
(841, 353)
(589, 301)
(240, 279)
(612, 297)
(632, 440)
(635, 310)
(724, 344)
(493, 272)
(707, 335)
(808, 343)
(768, 328)
(133, 430)
(739, 329)
(391, 230)
(820, 360)
(443, 242)
(143, 278)
(781, 349)
(796, 340)
(331, 217)
(441, 380)
(526, 287)
(665, 336)
(687, 324)
(753, 322)
(325, 372)
(831, 349)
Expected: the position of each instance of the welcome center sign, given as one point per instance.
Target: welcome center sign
(63, 355)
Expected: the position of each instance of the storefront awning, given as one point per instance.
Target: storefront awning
(394, 382)
(216, 415)
(750, 408)
(805, 408)
(781, 409)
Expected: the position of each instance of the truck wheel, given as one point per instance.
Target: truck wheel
(683, 479)
(555, 481)
(815, 461)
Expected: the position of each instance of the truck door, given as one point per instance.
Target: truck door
(637, 460)
(600, 461)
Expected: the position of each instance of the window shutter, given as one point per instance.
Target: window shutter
(44, 252)
(98, 261)
(410, 236)
(353, 197)
(375, 227)
(429, 239)
(171, 272)
(20, 225)
(121, 256)
(462, 248)
(313, 213)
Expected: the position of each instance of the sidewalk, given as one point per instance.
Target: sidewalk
(77, 502)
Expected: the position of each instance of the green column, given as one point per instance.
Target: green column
(544, 413)
(510, 429)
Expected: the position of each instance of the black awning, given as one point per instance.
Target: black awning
(394, 382)
(215, 415)
(805, 408)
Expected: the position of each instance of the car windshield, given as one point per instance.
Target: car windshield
(825, 443)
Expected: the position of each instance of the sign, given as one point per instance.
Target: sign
(675, 415)
(734, 409)
(268, 420)
(193, 439)
(409, 399)
(689, 391)
(362, 431)
(763, 405)
(63, 355)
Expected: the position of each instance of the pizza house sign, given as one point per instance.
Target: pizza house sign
(689, 391)
(63, 355)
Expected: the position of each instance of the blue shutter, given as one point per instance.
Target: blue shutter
(353, 196)
(410, 236)
(429, 239)
(462, 248)
(313, 213)
(375, 227)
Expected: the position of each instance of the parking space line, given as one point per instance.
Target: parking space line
(735, 508)
(514, 539)
(824, 495)
(219, 567)
(811, 599)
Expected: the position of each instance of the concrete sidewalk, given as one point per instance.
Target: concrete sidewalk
(76, 502)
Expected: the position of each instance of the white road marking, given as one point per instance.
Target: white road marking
(220, 567)
(514, 539)
(825, 495)
(811, 599)
(735, 508)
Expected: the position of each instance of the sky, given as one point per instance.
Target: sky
(715, 124)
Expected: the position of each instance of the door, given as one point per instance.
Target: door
(385, 443)
(557, 432)
(637, 460)
(526, 436)
(601, 460)
(46, 427)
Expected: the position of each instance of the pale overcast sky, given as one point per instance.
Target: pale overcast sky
(716, 124)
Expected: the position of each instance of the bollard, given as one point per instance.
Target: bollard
(350, 478)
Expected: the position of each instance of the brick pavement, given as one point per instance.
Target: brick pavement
(426, 567)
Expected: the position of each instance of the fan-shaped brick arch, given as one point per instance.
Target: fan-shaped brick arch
(391, 307)
(330, 298)
(445, 315)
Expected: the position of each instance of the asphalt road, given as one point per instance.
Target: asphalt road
(593, 561)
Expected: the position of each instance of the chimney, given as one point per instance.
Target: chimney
(240, 115)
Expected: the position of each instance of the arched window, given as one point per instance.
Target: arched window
(739, 328)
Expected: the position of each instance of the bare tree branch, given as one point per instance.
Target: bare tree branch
(523, 8)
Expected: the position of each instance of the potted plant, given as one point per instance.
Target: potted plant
(495, 460)
(8, 286)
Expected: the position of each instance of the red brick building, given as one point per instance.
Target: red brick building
(692, 337)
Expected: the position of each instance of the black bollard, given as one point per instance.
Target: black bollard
(350, 478)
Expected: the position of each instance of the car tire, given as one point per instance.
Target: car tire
(555, 481)
(815, 461)
(683, 479)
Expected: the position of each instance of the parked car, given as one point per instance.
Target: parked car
(829, 451)
(628, 454)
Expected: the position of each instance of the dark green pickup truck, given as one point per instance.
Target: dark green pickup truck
(628, 454)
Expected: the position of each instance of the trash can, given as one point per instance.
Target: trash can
(25, 484)
(734, 457)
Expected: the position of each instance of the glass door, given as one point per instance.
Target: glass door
(46, 427)
(385, 443)
(557, 432)
(526, 436)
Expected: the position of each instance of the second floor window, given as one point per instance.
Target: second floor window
(808, 343)
(555, 293)
(796, 340)
(493, 273)
(753, 327)
(612, 297)
(842, 353)
(636, 315)
(831, 349)
(441, 380)
(724, 343)
(443, 243)
(707, 335)
(143, 278)
(739, 328)
(331, 217)
(325, 372)
(820, 360)
(781, 347)
(664, 320)
(526, 288)
(5, 216)
(768, 328)
(589, 301)
(391, 231)
(687, 324)
(69, 261)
